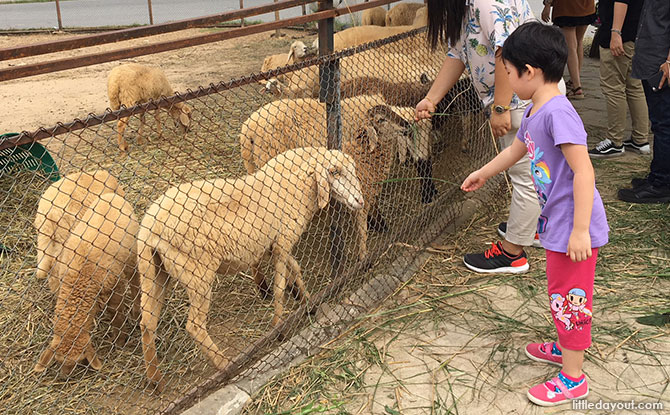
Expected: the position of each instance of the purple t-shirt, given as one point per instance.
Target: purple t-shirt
(556, 123)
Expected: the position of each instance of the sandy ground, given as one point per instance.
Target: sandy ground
(44, 100)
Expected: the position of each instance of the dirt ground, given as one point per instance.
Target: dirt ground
(44, 100)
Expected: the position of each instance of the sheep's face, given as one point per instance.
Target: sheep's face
(343, 181)
(182, 116)
(68, 355)
(273, 86)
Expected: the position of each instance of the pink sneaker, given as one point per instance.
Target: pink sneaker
(559, 390)
(545, 352)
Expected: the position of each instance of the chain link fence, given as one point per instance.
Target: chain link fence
(222, 231)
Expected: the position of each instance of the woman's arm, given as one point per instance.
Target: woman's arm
(579, 244)
(502, 95)
(451, 71)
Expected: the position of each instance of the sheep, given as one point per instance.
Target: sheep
(421, 17)
(222, 225)
(367, 135)
(131, 84)
(58, 209)
(403, 82)
(98, 262)
(402, 14)
(298, 52)
(375, 16)
(357, 35)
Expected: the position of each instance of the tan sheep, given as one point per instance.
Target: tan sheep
(97, 265)
(402, 81)
(421, 17)
(131, 84)
(371, 133)
(402, 14)
(298, 51)
(58, 209)
(375, 16)
(200, 228)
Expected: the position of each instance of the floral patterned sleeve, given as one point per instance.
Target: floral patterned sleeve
(499, 18)
(456, 51)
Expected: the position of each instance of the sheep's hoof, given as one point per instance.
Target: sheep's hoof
(157, 383)
(428, 191)
(264, 290)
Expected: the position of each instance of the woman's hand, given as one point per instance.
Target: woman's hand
(500, 123)
(545, 13)
(579, 246)
(424, 109)
(474, 181)
(616, 44)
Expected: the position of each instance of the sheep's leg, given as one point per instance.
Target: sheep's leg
(376, 221)
(279, 284)
(362, 227)
(159, 127)
(153, 280)
(44, 260)
(259, 279)
(140, 131)
(116, 309)
(200, 297)
(120, 128)
(296, 279)
(424, 168)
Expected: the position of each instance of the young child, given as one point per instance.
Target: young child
(572, 225)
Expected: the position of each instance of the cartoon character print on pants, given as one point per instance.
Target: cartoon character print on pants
(558, 308)
(538, 169)
(577, 307)
(571, 310)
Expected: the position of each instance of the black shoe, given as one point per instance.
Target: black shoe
(640, 148)
(645, 194)
(495, 260)
(638, 182)
(606, 149)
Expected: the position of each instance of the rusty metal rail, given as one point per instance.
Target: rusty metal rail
(92, 59)
(138, 32)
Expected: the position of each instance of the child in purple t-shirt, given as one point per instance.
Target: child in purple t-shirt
(572, 225)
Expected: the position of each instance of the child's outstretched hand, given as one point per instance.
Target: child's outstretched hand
(474, 181)
(579, 246)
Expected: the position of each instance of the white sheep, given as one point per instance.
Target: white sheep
(58, 209)
(298, 51)
(375, 16)
(222, 225)
(402, 14)
(131, 84)
(96, 266)
(372, 133)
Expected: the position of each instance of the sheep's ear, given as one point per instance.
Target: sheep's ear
(44, 360)
(92, 357)
(322, 185)
(291, 52)
(185, 116)
(373, 137)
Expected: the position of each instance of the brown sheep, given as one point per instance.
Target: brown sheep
(58, 209)
(402, 14)
(131, 84)
(222, 225)
(375, 16)
(97, 265)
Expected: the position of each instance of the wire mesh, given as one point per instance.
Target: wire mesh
(226, 224)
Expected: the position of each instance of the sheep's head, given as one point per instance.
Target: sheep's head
(68, 354)
(274, 87)
(181, 114)
(335, 174)
(410, 137)
(298, 52)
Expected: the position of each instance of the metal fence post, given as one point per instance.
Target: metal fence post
(329, 92)
(151, 13)
(277, 32)
(58, 16)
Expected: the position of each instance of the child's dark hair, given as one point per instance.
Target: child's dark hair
(538, 45)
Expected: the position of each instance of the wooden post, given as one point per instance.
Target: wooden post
(277, 32)
(58, 16)
(151, 13)
(242, 7)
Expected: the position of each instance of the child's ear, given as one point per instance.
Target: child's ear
(531, 71)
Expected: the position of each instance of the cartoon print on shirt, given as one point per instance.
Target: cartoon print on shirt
(558, 307)
(538, 169)
(577, 307)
